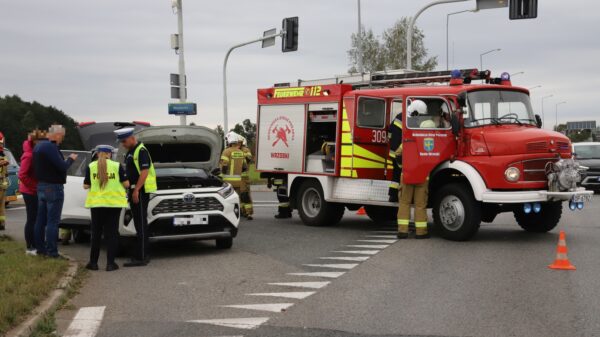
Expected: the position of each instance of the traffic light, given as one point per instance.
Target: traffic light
(290, 34)
(522, 9)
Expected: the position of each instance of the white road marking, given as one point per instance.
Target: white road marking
(378, 241)
(15, 208)
(381, 236)
(369, 246)
(363, 252)
(237, 323)
(86, 322)
(311, 285)
(296, 294)
(328, 274)
(346, 258)
(272, 307)
(334, 265)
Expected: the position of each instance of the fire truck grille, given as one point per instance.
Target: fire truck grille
(563, 146)
(535, 169)
(537, 147)
(181, 206)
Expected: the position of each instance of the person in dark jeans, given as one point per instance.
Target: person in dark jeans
(28, 187)
(51, 171)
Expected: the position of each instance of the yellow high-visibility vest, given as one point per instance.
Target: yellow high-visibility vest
(150, 184)
(113, 195)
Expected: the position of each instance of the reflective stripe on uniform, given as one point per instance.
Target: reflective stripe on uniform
(398, 123)
(150, 183)
(394, 185)
(403, 221)
(420, 224)
(392, 154)
(223, 158)
(284, 204)
(278, 182)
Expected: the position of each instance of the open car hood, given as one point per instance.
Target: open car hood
(94, 134)
(176, 146)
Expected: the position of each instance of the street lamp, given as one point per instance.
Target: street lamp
(517, 73)
(447, 34)
(557, 104)
(535, 87)
(485, 53)
(359, 43)
(543, 117)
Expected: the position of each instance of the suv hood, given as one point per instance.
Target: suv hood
(511, 139)
(94, 134)
(176, 146)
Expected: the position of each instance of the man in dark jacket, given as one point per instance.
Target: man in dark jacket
(51, 171)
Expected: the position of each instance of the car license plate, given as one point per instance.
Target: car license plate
(190, 220)
(582, 198)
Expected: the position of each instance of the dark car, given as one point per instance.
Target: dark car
(588, 155)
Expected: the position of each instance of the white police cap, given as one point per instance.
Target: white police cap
(124, 133)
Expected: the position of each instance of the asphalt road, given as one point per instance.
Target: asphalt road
(495, 285)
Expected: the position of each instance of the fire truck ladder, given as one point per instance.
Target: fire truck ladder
(397, 78)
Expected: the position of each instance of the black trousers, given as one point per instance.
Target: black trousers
(284, 201)
(31, 208)
(105, 220)
(139, 212)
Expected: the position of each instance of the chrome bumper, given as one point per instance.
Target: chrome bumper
(494, 197)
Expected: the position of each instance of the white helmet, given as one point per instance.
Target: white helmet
(444, 109)
(232, 138)
(244, 141)
(417, 107)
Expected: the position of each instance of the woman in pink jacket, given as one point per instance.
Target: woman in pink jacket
(28, 187)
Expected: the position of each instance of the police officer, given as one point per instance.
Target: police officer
(413, 193)
(232, 164)
(249, 209)
(395, 132)
(106, 181)
(142, 179)
(3, 182)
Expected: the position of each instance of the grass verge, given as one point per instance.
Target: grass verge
(25, 281)
(255, 178)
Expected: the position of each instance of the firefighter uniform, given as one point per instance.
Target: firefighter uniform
(413, 193)
(245, 187)
(232, 164)
(284, 210)
(395, 133)
(3, 183)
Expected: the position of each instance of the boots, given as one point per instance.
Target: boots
(402, 232)
(421, 233)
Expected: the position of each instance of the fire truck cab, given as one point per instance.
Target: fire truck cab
(480, 146)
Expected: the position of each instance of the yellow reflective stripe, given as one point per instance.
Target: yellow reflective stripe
(278, 181)
(392, 154)
(403, 221)
(364, 163)
(232, 178)
(398, 123)
(360, 151)
(344, 113)
(346, 138)
(345, 126)
(420, 224)
(394, 184)
(284, 204)
(346, 150)
(346, 162)
(224, 158)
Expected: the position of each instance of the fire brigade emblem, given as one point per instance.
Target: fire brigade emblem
(429, 144)
(281, 131)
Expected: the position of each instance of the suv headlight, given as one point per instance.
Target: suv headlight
(512, 174)
(226, 191)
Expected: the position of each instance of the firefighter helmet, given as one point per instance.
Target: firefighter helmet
(233, 138)
(416, 108)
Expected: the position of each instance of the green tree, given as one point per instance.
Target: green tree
(247, 129)
(389, 52)
(18, 118)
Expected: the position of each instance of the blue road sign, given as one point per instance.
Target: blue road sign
(182, 109)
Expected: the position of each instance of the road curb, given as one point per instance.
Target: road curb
(24, 329)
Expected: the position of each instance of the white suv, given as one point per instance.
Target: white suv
(190, 204)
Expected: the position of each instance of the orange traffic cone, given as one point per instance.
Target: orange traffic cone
(361, 211)
(562, 261)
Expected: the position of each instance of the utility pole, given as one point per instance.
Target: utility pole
(359, 41)
(447, 32)
(182, 78)
(543, 116)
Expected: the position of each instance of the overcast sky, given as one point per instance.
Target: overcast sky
(108, 60)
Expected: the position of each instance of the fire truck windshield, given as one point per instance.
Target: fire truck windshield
(497, 107)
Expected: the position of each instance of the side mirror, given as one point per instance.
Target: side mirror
(538, 121)
(462, 99)
(455, 123)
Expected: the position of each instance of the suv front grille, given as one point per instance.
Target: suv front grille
(199, 204)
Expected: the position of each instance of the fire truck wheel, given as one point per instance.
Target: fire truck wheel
(381, 213)
(456, 213)
(312, 207)
(541, 222)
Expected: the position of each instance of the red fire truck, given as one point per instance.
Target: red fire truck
(489, 156)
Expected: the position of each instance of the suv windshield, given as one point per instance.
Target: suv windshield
(498, 107)
(587, 151)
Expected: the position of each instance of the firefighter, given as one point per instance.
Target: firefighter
(245, 188)
(3, 182)
(232, 164)
(395, 133)
(284, 211)
(413, 193)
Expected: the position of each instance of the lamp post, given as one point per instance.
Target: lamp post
(543, 116)
(485, 53)
(556, 106)
(411, 24)
(359, 42)
(534, 87)
(517, 73)
(447, 34)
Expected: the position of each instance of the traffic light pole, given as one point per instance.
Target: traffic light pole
(225, 117)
